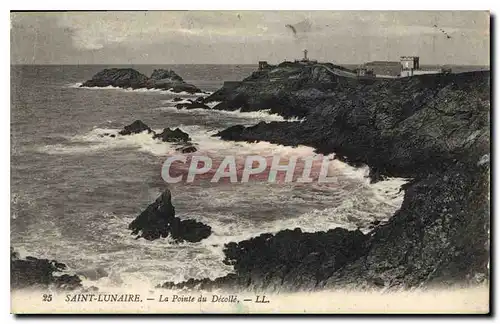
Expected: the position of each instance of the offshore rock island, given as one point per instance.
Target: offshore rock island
(432, 129)
(131, 79)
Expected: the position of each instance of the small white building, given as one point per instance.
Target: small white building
(410, 66)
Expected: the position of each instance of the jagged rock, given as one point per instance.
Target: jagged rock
(123, 78)
(135, 128)
(189, 230)
(158, 220)
(33, 272)
(162, 74)
(176, 135)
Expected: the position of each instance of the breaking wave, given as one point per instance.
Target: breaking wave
(101, 139)
(78, 85)
(262, 115)
(350, 202)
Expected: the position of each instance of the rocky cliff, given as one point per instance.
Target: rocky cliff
(400, 127)
(431, 129)
(288, 89)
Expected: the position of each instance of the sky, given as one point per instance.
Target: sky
(246, 37)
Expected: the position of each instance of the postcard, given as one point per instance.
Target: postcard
(250, 162)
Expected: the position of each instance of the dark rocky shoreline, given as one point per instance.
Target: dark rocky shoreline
(40, 273)
(433, 129)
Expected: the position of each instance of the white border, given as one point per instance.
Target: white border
(186, 5)
(252, 5)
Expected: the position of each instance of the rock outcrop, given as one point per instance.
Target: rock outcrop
(129, 78)
(289, 89)
(39, 273)
(439, 237)
(289, 260)
(159, 220)
(136, 127)
(176, 136)
(166, 75)
(121, 78)
(431, 129)
(403, 128)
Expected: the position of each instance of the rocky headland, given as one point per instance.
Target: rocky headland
(128, 78)
(431, 129)
(288, 89)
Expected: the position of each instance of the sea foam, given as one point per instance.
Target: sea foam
(78, 85)
(260, 115)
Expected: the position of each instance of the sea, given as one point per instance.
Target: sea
(74, 191)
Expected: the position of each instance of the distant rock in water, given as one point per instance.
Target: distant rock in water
(162, 74)
(130, 78)
(179, 137)
(39, 273)
(181, 140)
(176, 135)
(122, 78)
(158, 220)
(135, 128)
